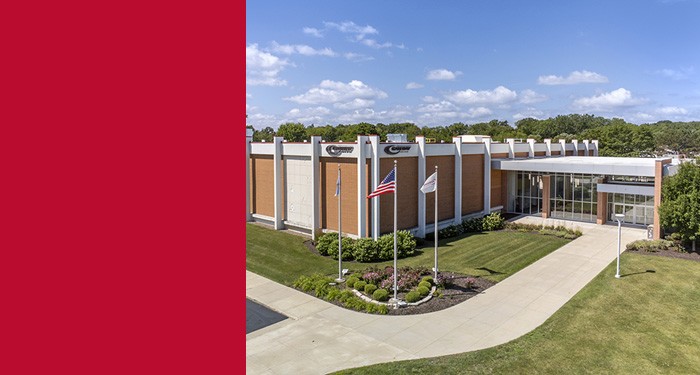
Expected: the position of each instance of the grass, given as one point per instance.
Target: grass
(645, 322)
(492, 255)
(283, 257)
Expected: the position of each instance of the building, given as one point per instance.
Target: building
(292, 185)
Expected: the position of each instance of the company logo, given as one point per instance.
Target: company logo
(334, 150)
(395, 149)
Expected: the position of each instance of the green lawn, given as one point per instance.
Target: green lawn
(282, 256)
(645, 322)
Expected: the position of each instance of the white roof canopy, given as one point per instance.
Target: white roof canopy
(582, 164)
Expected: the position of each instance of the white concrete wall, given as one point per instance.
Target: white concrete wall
(297, 191)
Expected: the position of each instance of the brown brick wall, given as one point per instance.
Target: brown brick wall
(521, 154)
(540, 153)
(602, 214)
(581, 152)
(497, 187)
(472, 183)
(446, 188)
(329, 202)
(556, 152)
(262, 183)
(500, 155)
(658, 179)
(569, 153)
(407, 210)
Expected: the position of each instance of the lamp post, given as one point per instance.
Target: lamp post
(619, 218)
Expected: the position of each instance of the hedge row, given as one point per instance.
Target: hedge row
(493, 221)
(548, 230)
(323, 287)
(654, 245)
(366, 249)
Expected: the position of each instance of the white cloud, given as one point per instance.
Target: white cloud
(301, 49)
(340, 94)
(676, 74)
(396, 114)
(574, 77)
(356, 103)
(262, 68)
(413, 85)
(350, 27)
(529, 97)
(530, 112)
(313, 32)
(374, 44)
(357, 57)
(307, 116)
(443, 106)
(499, 95)
(430, 99)
(442, 75)
(672, 111)
(608, 101)
(478, 112)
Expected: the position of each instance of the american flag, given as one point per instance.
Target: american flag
(388, 185)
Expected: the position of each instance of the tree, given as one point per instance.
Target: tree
(292, 132)
(264, 135)
(680, 204)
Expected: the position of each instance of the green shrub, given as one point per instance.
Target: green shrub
(324, 241)
(380, 295)
(366, 250)
(360, 285)
(348, 248)
(425, 284)
(350, 282)
(493, 221)
(405, 245)
(652, 245)
(412, 296)
(370, 288)
(356, 274)
(450, 231)
(472, 225)
(429, 279)
(423, 290)
(385, 246)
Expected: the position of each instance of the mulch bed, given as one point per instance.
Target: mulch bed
(451, 296)
(670, 254)
(455, 294)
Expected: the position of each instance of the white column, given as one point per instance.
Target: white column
(575, 143)
(458, 179)
(511, 147)
(362, 186)
(421, 180)
(562, 142)
(548, 144)
(315, 185)
(487, 176)
(374, 140)
(531, 148)
(595, 148)
(586, 146)
(248, 139)
(277, 169)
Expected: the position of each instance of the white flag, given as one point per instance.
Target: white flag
(429, 185)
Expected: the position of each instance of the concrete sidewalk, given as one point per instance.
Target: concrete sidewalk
(320, 337)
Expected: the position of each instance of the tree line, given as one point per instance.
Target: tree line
(617, 137)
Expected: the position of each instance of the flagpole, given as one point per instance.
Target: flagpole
(340, 230)
(436, 223)
(396, 186)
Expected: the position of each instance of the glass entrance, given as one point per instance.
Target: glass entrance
(638, 209)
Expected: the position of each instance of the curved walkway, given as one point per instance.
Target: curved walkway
(320, 337)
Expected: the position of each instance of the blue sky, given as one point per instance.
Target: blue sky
(439, 62)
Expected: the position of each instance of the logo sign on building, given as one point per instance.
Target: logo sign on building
(334, 150)
(395, 149)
